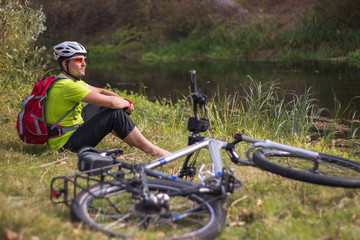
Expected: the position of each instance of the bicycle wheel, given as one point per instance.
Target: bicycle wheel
(114, 211)
(327, 170)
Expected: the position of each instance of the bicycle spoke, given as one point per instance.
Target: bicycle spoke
(118, 221)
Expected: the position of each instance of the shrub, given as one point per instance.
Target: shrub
(343, 12)
(20, 58)
(354, 58)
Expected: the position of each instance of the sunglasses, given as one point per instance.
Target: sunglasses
(78, 59)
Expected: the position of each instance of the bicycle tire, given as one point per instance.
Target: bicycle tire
(205, 222)
(330, 170)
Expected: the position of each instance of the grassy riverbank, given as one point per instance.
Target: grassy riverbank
(243, 42)
(245, 30)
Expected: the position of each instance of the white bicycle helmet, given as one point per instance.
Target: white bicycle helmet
(67, 49)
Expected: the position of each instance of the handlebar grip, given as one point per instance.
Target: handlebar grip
(193, 80)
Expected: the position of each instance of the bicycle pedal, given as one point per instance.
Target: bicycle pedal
(229, 181)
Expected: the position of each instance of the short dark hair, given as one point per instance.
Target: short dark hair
(60, 60)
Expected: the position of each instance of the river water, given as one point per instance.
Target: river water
(326, 79)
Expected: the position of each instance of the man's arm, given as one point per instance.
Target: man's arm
(103, 91)
(106, 98)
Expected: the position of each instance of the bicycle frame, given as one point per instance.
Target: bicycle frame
(294, 150)
(215, 146)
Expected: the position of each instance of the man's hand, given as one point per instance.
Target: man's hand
(130, 109)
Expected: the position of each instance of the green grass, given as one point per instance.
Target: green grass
(267, 207)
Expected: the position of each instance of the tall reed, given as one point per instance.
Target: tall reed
(265, 110)
(344, 122)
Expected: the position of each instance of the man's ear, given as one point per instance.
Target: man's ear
(64, 65)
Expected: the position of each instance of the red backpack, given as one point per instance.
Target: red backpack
(31, 125)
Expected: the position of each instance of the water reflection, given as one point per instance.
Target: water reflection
(172, 80)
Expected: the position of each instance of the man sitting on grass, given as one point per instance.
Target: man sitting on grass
(105, 112)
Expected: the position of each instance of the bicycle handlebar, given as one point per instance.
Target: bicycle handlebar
(197, 97)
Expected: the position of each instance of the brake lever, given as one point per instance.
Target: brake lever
(235, 158)
(200, 98)
(230, 147)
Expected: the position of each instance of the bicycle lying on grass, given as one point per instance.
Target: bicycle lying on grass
(123, 199)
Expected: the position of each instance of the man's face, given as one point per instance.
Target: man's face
(77, 65)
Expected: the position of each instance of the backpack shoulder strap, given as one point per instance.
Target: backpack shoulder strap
(62, 118)
(55, 81)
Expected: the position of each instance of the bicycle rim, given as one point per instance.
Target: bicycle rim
(113, 210)
(328, 170)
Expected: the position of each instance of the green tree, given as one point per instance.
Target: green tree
(20, 58)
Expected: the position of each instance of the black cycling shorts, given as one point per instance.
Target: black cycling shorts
(98, 122)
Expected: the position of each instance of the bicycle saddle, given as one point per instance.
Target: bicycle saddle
(91, 158)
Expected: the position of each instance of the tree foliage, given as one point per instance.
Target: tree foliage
(95, 21)
(343, 12)
(20, 58)
(175, 19)
(86, 21)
